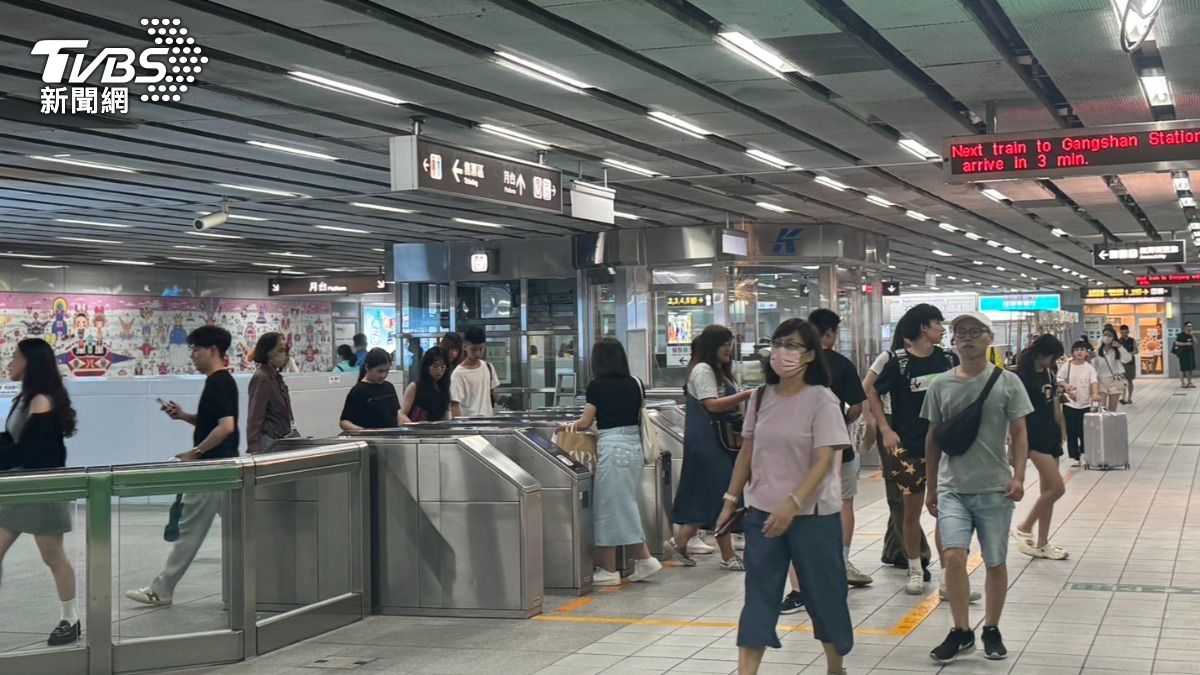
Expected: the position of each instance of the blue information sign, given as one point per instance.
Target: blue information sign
(1028, 302)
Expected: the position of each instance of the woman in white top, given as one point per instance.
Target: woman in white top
(1110, 368)
(1082, 387)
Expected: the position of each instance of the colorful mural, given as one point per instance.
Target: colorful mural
(124, 336)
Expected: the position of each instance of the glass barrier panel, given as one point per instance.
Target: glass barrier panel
(171, 564)
(304, 537)
(43, 547)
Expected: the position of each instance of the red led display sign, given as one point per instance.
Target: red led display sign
(1168, 279)
(1124, 149)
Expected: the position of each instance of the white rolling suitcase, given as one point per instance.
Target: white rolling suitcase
(1105, 440)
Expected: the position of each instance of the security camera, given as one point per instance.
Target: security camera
(210, 221)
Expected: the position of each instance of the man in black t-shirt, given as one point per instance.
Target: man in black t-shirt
(215, 437)
(905, 378)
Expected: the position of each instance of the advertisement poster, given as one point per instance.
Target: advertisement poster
(679, 329)
(379, 325)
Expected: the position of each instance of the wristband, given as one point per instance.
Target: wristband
(796, 501)
(729, 498)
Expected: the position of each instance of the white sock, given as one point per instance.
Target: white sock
(914, 563)
(68, 612)
(846, 553)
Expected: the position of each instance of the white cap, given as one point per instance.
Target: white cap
(977, 316)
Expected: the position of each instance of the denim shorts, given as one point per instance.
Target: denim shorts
(989, 514)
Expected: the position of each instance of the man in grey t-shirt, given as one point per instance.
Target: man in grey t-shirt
(975, 492)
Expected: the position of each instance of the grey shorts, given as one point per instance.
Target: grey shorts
(850, 477)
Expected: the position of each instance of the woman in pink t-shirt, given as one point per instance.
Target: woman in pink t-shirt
(790, 473)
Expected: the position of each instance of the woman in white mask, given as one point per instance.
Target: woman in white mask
(789, 468)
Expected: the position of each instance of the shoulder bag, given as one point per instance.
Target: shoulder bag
(956, 435)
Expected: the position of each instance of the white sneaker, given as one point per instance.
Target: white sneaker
(734, 564)
(1020, 536)
(856, 578)
(916, 582)
(739, 542)
(697, 546)
(602, 577)
(644, 568)
(146, 596)
(1049, 551)
(973, 597)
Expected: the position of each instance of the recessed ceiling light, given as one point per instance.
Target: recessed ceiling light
(89, 222)
(381, 207)
(336, 228)
(772, 207)
(288, 254)
(84, 164)
(195, 260)
(85, 240)
(972, 236)
(880, 201)
(631, 168)
(626, 216)
(1187, 202)
(260, 190)
(31, 256)
(1157, 88)
(297, 272)
(234, 216)
(1040, 261)
(769, 159)
(949, 228)
(121, 261)
(514, 136)
(1027, 256)
(293, 151)
(1181, 181)
(916, 215)
(994, 195)
(891, 267)
(831, 183)
(345, 88)
(539, 72)
(917, 149)
(976, 262)
(480, 223)
(43, 267)
(1010, 250)
(678, 124)
(270, 264)
(1000, 269)
(379, 250)
(1058, 232)
(752, 51)
(213, 235)
(941, 253)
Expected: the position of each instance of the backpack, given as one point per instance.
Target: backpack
(903, 359)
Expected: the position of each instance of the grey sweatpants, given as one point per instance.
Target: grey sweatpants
(198, 511)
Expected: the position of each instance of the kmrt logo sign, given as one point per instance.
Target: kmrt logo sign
(785, 243)
(166, 70)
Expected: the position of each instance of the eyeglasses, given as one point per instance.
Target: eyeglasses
(789, 345)
(972, 333)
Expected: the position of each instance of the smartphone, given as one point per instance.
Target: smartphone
(734, 521)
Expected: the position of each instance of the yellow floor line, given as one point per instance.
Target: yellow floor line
(672, 623)
(574, 605)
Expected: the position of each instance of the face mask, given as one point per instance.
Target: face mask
(786, 363)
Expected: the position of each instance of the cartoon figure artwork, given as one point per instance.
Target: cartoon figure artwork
(58, 328)
(126, 327)
(178, 354)
(34, 327)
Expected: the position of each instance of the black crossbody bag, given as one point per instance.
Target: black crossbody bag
(955, 435)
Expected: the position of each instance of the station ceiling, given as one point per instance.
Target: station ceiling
(868, 73)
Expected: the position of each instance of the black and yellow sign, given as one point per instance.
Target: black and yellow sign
(1125, 293)
(693, 300)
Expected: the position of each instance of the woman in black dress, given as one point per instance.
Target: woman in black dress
(40, 418)
(1185, 349)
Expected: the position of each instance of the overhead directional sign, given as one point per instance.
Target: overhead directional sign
(1158, 146)
(891, 288)
(1125, 293)
(1168, 280)
(418, 163)
(1025, 302)
(1173, 251)
(326, 285)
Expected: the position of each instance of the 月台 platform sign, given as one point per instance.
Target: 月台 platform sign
(419, 163)
(1159, 146)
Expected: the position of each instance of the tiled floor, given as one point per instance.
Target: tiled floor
(1127, 600)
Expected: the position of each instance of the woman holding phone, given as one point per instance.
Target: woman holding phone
(787, 468)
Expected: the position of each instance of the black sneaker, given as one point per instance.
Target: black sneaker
(792, 604)
(64, 634)
(993, 645)
(957, 642)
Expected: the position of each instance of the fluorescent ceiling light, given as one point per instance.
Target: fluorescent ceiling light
(976, 262)
(891, 267)
(87, 165)
(916, 215)
(972, 236)
(296, 272)
(31, 256)
(541, 73)
(772, 207)
(1058, 232)
(335, 228)
(1040, 261)
(293, 151)
(379, 250)
(949, 228)
(480, 223)
(85, 240)
(810, 267)
(195, 260)
(626, 216)
(345, 88)
(917, 149)
(213, 235)
(289, 254)
(261, 190)
(1011, 250)
(121, 261)
(677, 124)
(234, 216)
(951, 277)
(514, 136)
(262, 264)
(380, 207)
(193, 248)
(1000, 269)
(753, 51)
(831, 183)
(1126, 271)
(1194, 227)
(1181, 182)
(1027, 256)
(769, 159)
(1057, 267)
(1187, 202)
(938, 251)
(43, 267)
(994, 195)
(625, 166)
(89, 222)
(1157, 89)
(965, 280)
(994, 244)
(875, 199)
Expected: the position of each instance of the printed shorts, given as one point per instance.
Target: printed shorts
(906, 471)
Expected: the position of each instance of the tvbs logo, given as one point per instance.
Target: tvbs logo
(166, 69)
